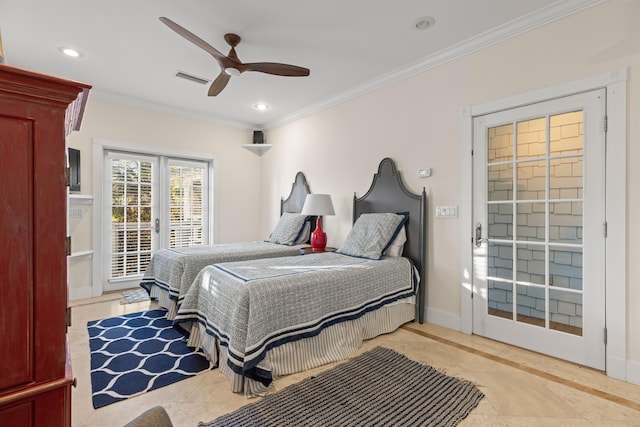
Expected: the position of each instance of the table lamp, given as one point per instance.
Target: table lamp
(318, 204)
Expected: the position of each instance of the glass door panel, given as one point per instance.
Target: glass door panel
(131, 207)
(136, 185)
(188, 203)
(533, 208)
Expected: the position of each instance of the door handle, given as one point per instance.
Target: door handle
(478, 236)
(157, 222)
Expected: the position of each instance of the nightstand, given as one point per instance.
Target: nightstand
(307, 250)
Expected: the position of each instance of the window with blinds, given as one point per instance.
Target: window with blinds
(154, 202)
(131, 216)
(187, 204)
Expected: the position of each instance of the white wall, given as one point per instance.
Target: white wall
(417, 123)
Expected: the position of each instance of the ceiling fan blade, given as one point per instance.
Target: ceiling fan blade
(275, 68)
(222, 59)
(219, 83)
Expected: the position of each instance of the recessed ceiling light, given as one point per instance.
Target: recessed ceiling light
(70, 52)
(261, 106)
(424, 23)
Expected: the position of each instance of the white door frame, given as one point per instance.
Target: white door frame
(100, 145)
(615, 83)
(586, 348)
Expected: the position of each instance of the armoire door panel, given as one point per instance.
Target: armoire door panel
(18, 415)
(16, 217)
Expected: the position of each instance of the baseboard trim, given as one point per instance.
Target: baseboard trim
(443, 318)
(633, 372)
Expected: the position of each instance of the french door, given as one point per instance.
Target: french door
(150, 202)
(540, 227)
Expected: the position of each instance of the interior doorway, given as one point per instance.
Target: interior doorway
(614, 227)
(539, 215)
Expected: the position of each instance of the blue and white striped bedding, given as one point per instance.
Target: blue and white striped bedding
(248, 308)
(171, 272)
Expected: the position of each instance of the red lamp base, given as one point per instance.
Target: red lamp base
(318, 238)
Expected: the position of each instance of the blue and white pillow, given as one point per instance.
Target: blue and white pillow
(372, 234)
(289, 229)
(303, 237)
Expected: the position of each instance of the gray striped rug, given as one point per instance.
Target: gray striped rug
(377, 388)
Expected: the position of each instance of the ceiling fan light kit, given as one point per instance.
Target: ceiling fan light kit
(230, 64)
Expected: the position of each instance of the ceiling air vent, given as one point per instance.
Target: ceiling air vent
(192, 78)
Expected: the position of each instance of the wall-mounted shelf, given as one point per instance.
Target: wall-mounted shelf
(80, 198)
(259, 149)
(79, 254)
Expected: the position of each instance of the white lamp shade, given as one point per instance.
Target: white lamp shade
(318, 204)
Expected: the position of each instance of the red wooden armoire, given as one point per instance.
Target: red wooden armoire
(36, 114)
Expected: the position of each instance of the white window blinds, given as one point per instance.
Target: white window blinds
(188, 203)
(131, 215)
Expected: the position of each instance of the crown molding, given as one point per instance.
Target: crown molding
(167, 109)
(554, 12)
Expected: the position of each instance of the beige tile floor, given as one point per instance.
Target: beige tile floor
(521, 388)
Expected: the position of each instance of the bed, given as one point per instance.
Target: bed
(171, 272)
(260, 319)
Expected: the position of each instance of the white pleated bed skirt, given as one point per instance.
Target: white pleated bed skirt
(334, 343)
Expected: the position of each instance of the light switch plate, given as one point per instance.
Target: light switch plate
(446, 212)
(424, 173)
(76, 213)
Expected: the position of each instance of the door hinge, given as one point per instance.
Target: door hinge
(605, 336)
(604, 229)
(606, 124)
(68, 320)
(67, 177)
(67, 244)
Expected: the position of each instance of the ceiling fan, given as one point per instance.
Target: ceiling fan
(231, 65)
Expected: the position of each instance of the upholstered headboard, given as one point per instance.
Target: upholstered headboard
(389, 194)
(299, 190)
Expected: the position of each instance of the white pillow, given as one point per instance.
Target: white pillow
(397, 246)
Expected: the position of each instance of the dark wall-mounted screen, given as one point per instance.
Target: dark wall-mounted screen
(74, 166)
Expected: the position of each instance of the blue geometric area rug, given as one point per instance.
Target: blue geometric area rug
(138, 352)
